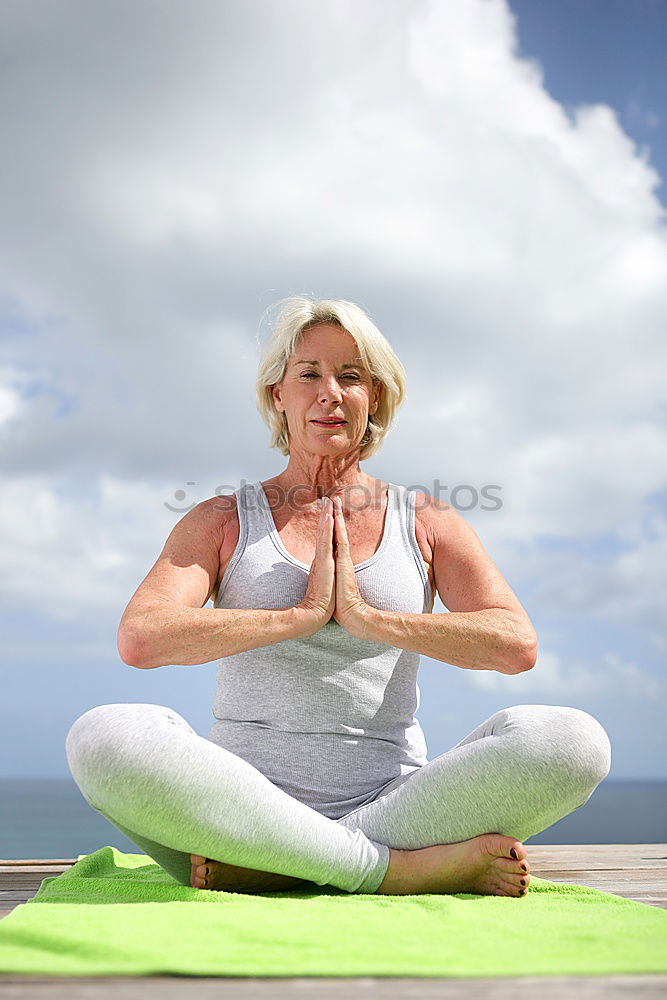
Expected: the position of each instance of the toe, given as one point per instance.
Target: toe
(502, 847)
(517, 885)
(198, 873)
(516, 851)
(509, 866)
(199, 881)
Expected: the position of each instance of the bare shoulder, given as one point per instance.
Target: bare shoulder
(222, 512)
(220, 516)
(432, 519)
(222, 507)
(466, 577)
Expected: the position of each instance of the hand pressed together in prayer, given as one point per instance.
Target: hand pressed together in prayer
(350, 610)
(332, 587)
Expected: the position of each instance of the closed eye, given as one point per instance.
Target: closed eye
(308, 374)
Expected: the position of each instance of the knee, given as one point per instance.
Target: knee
(565, 742)
(581, 746)
(90, 739)
(99, 739)
(88, 728)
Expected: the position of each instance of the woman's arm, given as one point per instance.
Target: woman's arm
(165, 621)
(168, 633)
(486, 627)
(492, 639)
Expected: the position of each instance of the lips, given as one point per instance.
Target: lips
(329, 423)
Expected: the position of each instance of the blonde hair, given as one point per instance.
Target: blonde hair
(298, 314)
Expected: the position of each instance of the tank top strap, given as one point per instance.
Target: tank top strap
(406, 501)
(251, 508)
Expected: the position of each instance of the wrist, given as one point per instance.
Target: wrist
(360, 623)
(307, 621)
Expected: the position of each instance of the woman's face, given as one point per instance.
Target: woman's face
(325, 377)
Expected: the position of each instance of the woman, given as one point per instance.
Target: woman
(323, 579)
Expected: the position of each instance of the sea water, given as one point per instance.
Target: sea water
(49, 818)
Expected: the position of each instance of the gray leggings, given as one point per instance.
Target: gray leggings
(174, 793)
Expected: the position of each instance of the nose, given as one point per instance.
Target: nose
(330, 390)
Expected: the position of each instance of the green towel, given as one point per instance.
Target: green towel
(121, 914)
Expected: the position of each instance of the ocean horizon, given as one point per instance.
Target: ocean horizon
(46, 818)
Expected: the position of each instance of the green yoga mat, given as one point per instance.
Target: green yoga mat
(121, 914)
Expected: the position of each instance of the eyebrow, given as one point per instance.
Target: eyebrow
(346, 365)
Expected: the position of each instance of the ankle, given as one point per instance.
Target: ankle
(398, 880)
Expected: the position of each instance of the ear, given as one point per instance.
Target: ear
(377, 393)
(276, 392)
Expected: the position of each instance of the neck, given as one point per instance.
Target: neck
(307, 478)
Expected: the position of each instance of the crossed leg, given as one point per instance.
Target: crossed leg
(174, 794)
(186, 802)
(516, 774)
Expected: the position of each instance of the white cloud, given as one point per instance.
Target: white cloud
(11, 402)
(610, 678)
(400, 155)
(67, 555)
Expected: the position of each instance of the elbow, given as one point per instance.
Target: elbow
(528, 656)
(132, 651)
(521, 653)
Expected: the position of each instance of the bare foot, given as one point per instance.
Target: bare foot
(208, 874)
(482, 866)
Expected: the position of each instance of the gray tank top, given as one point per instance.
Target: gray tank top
(330, 719)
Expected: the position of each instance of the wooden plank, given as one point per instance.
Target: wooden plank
(363, 988)
(32, 878)
(40, 862)
(633, 871)
(655, 877)
(591, 856)
(55, 868)
(20, 875)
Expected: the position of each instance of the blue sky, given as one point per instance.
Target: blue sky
(604, 51)
(485, 179)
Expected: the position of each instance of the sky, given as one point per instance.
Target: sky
(484, 178)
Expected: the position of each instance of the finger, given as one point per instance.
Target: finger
(337, 535)
(327, 526)
(340, 522)
(325, 520)
(344, 557)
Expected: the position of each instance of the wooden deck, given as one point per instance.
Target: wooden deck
(635, 871)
